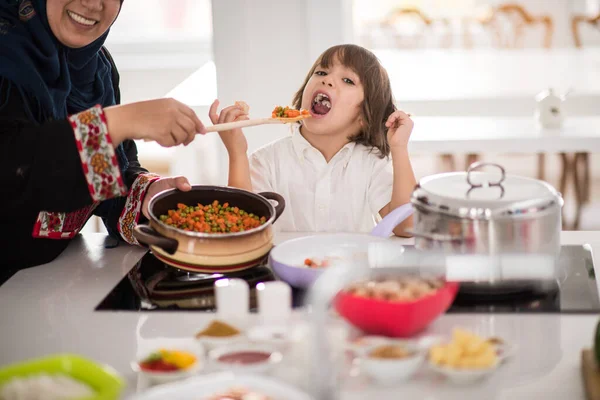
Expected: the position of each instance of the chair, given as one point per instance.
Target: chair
(507, 23)
(411, 28)
(581, 160)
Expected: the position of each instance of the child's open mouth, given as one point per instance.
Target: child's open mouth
(321, 104)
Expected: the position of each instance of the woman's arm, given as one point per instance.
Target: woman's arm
(60, 165)
(122, 214)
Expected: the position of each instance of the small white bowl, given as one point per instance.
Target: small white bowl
(362, 345)
(464, 376)
(160, 377)
(212, 342)
(255, 367)
(388, 371)
(275, 335)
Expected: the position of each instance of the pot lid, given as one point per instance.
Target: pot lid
(485, 194)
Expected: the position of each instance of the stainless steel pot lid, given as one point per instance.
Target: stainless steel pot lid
(478, 194)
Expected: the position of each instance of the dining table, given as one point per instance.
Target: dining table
(53, 309)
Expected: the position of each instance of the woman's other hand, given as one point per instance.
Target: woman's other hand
(176, 182)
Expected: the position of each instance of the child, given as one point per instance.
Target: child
(334, 171)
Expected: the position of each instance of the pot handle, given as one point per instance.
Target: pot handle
(145, 234)
(280, 202)
(386, 226)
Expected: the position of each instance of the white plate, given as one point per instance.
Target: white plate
(160, 377)
(202, 387)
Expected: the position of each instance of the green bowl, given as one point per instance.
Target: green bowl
(103, 379)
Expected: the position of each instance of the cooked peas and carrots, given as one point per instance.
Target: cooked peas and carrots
(286, 112)
(211, 218)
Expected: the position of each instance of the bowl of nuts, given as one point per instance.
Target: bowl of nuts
(395, 307)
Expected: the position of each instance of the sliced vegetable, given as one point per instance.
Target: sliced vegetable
(287, 112)
(168, 360)
(212, 218)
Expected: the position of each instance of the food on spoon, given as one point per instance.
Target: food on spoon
(287, 112)
(168, 360)
(466, 350)
(211, 218)
(390, 351)
(239, 394)
(45, 386)
(396, 289)
(242, 106)
(218, 329)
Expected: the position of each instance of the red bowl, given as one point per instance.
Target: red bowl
(395, 319)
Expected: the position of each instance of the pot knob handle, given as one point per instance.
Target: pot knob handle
(479, 165)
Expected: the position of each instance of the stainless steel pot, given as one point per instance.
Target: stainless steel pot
(487, 213)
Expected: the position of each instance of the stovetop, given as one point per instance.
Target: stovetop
(576, 291)
(153, 286)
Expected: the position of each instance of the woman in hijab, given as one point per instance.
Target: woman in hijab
(66, 147)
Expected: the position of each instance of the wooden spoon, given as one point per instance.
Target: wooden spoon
(254, 122)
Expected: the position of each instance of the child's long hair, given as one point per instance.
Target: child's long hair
(378, 102)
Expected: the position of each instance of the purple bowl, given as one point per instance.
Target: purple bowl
(287, 258)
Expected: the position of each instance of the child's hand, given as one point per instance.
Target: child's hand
(234, 140)
(399, 127)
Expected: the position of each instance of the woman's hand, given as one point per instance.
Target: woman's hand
(400, 127)
(179, 182)
(165, 121)
(234, 140)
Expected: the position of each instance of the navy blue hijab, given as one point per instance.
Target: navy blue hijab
(54, 80)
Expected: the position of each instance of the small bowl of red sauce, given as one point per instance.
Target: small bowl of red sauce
(245, 357)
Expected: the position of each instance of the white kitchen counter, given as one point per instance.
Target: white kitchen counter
(50, 309)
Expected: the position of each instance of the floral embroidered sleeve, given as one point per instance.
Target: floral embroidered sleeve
(133, 206)
(50, 166)
(98, 157)
(121, 214)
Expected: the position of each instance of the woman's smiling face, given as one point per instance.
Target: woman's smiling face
(78, 23)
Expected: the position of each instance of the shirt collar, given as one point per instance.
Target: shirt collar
(302, 146)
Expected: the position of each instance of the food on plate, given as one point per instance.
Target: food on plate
(167, 361)
(245, 357)
(317, 262)
(218, 329)
(45, 386)
(211, 218)
(390, 351)
(239, 394)
(396, 289)
(287, 112)
(496, 341)
(466, 350)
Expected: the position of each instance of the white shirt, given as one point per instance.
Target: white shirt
(344, 195)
